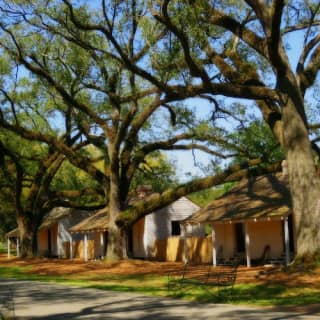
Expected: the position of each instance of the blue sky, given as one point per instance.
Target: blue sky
(185, 159)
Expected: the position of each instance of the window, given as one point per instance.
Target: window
(175, 228)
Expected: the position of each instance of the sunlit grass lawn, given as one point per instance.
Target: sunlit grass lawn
(255, 294)
(3, 247)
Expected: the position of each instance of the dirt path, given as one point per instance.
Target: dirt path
(36, 300)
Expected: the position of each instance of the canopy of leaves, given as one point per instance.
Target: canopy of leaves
(204, 197)
(119, 74)
(258, 141)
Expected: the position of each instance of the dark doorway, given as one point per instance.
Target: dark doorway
(105, 242)
(239, 230)
(175, 228)
(130, 243)
(291, 238)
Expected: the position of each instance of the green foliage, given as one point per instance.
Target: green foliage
(257, 141)
(156, 171)
(118, 77)
(7, 214)
(8, 222)
(204, 197)
(69, 177)
(3, 247)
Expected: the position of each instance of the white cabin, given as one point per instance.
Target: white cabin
(53, 234)
(163, 224)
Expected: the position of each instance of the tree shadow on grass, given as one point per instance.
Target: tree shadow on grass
(262, 295)
(83, 303)
(124, 309)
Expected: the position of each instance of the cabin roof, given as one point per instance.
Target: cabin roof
(54, 215)
(12, 233)
(262, 197)
(99, 221)
(96, 222)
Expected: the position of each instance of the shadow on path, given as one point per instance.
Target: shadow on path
(35, 300)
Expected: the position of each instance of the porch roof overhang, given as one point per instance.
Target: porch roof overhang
(95, 223)
(13, 233)
(257, 198)
(54, 216)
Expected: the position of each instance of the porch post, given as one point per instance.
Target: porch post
(85, 247)
(102, 243)
(9, 251)
(17, 246)
(286, 240)
(185, 247)
(214, 248)
(247, 241)
(70, 247)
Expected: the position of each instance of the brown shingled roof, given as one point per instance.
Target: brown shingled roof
(50, 218)
(96, 222)
(99, 221)
(55, 215)
(265, 196)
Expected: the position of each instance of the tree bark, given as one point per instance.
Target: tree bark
(157, 201)
(303, 178)
(27, 237)
(117, 244)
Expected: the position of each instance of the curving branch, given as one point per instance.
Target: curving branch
(260, 9)
(130, 65)
(40, 71)
(314, 126)
(275, 48)
(200, 147)
(72, 204)
(156, 201)
(43, 178)
(76, 193)
(135, 126)
(308, 75)
(195, 69)
(72, 156)
(242, 91)
(15, 179)
(253, 40)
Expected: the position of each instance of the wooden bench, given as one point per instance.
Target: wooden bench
(202, 275)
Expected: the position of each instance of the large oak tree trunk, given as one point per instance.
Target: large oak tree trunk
(117, 244)
(27, 237)
(303, 178)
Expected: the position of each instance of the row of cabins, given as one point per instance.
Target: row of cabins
(252, 223)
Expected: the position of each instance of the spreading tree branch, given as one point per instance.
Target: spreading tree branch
(156, 201)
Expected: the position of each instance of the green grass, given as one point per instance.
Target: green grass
(3, 248)
(251, 294)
